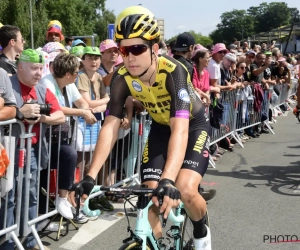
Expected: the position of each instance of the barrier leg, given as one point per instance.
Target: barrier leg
(16, 240)
(37, 237)
(237, 139)
(211, 162)
(269, 127)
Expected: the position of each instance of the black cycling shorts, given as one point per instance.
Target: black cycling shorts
(156, 148)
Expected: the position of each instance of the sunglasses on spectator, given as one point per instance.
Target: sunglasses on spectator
(135, 50)
(251, 57)
(222, 52)
(22, 39)
(242, 67)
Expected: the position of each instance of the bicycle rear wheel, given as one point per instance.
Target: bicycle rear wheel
(132, 245)
(187, 237)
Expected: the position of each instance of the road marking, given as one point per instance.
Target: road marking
(297, 190)
(92, 229)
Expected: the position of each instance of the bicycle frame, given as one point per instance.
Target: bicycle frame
(143, 229)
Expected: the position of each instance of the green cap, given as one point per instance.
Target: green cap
(268, 53)
(91, 51)
(32, 56)
(77, 50)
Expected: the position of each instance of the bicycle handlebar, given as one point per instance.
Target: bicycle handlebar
(135, 190)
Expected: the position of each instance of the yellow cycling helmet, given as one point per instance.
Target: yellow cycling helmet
(1, 25)
(136, 22)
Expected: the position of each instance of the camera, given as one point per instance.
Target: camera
(44, 109)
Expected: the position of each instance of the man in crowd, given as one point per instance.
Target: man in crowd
(12, 44)
(250, 56)
(69, 40)
(7, 98)
(184, 48)
(26, 89)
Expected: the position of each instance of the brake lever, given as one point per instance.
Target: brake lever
(160, 201)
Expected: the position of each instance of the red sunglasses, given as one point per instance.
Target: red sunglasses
(135, 50)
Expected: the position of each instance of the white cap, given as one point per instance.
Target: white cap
(231, 57)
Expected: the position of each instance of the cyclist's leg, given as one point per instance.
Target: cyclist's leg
(193, 169)
(153, 161)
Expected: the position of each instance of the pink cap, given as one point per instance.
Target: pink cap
(197, 48)
(53, 46)
(107, 44)
(218, 47)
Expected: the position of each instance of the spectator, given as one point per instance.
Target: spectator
(200, 75)
(213, 68)
(61, 83)
(250, 55)
(77, 51)
(12, 43)
(226, 75)
(184, 48)
(26, 89)
(110, 53)
(162, 48)
(7, 98)
(54, 32)
(78, 42)
(245, 47)
(69, 40)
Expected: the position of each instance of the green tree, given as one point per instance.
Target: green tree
(270, 16)
(199, 38)
(234, 24)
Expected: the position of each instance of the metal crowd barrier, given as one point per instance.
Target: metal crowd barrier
(285, 92)
(227, 128)
(126, 155)
(12, 183)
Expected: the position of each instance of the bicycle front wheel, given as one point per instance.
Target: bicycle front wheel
(132, 245)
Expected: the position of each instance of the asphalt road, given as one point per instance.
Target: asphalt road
(257, 202)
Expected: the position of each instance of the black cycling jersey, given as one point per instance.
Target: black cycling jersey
(172, 95)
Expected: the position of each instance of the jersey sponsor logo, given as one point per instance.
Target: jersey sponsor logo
(145, 154)
(151, 176)
(200, 142)
(140, 96)
(184, 95)
(136, 86)
(168, 64)
(162, 96)
(152, 170)
(193, 163)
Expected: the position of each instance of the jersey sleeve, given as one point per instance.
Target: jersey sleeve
(6, 89)
(179, 87)
(119, 91)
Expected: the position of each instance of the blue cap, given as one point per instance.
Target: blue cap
(77, 42)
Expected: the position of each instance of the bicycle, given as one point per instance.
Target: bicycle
(142, 237)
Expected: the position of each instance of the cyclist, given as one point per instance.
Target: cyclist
(176, 153)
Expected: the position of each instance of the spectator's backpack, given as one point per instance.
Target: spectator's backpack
(258, 97)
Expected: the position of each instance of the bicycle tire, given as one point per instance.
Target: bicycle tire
(190, 242)
(132, 245)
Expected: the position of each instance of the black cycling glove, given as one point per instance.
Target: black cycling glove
(166, 187)
(85, 186)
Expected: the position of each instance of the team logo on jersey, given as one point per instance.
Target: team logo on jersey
(183, 95)
(137, 86)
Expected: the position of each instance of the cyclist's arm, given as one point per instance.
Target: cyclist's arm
(109, 131)
(176, 84)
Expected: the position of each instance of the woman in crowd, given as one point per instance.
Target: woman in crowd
(61, 83)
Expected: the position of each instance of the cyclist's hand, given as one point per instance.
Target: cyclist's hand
(171, 196)
(83, 188)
